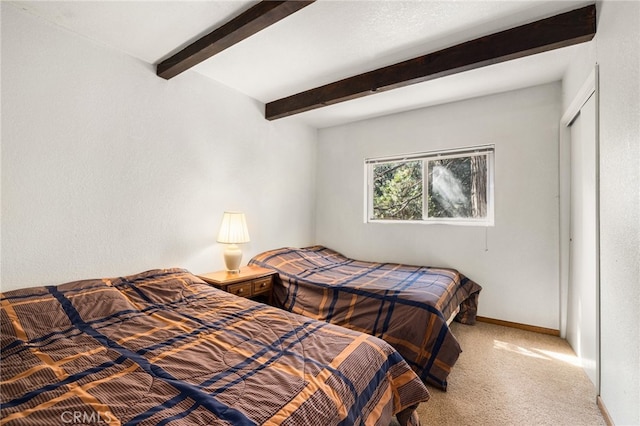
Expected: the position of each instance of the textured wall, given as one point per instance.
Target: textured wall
(618, 53)
(516, 261)
(108, 169)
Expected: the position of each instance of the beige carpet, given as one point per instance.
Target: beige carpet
(507, 376)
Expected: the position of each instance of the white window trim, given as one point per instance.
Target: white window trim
(444, 154)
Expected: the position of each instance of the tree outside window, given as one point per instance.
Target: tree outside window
(398, 191)
(454, 186)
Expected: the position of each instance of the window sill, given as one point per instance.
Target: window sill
(484, 223)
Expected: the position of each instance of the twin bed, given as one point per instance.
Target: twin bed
(164, 348)
(407, 306)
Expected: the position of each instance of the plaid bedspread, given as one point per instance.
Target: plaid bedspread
(163, 348)
(408, 306)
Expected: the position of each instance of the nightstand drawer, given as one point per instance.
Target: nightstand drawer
(240, 289)
(262, 285)
(249, 282)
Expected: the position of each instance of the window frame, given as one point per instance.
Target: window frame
(425, 157)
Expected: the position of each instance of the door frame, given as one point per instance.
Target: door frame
(590, 87)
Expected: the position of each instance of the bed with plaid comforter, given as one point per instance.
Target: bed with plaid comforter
(164, 348)
(407, 306)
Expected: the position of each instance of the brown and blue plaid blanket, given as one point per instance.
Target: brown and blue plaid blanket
(408, 306)
(164, 348)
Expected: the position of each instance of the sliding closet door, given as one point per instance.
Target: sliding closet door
(582, 316)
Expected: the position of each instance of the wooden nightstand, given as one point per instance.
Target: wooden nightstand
(251, 282)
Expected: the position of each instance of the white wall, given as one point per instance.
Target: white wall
(617, 51)
(516, 261)
(108, 169)
(619, 58)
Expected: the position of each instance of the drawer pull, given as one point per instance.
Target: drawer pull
(241, 290)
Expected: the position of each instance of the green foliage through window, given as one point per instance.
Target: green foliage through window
(452, 185)
(397, 190)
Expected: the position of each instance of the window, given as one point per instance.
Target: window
(438, 187)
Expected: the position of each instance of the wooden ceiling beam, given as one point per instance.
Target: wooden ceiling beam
(558, 31)
(255, 19)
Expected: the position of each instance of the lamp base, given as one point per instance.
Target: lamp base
(232, 258)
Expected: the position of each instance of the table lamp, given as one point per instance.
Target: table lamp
(233, 231)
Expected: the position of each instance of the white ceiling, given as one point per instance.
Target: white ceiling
(324, 42)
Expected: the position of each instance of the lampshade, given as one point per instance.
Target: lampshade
(233, 229)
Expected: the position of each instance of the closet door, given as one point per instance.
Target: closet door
(582, 311)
